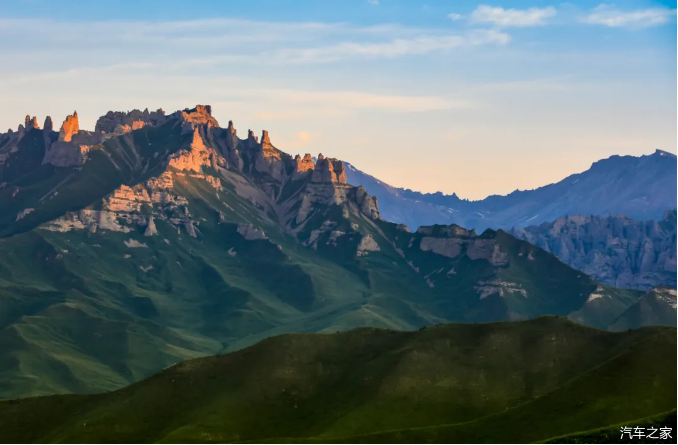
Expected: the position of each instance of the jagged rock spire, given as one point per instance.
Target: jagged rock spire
(265, 139)
(48, 126)
(303, 165)
(70, 127)
(30, 124)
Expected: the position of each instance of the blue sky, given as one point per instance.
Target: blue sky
(475, 98)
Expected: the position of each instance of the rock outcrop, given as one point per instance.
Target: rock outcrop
(250, 232)
(200, 115)
(32, 124)
(194, 158)
(72, 145)
(69, 127)
(614, 249)
(368, 204)
(329, 170)
(150, 228)
(303, 165)
(367, 244)
(48, 126)
(446, 243)
(117, 122)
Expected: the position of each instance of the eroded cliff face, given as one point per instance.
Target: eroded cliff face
(615, 249)
(285, 190)
(118, 122)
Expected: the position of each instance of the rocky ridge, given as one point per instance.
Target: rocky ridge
(286, 190)
(616, 249)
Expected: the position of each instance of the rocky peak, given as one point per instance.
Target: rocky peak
(303, 165)
(265, 139)
(48, 126)
(69, 127)
(659, 152)
(231, 128)
(201, 114)
(329, 170)
(118, 122)
(32, 123)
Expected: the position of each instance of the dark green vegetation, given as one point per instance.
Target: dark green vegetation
(657, 307)
(245, 243)
(496, 382)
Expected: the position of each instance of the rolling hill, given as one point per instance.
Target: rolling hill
(461, 383)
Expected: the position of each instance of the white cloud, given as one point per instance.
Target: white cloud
(373, 2)
(36, 45)
(453, 16)
(338, 100)
(512, 17)
(394, 48)
(609, 15)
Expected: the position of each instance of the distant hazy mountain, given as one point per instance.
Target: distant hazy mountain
(640, 187)
(616, 250)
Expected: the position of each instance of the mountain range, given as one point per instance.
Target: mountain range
(616, 250)
(546, 379)
(159, 237)
(639, 187)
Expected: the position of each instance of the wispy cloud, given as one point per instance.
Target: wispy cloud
(610, 15)
(373, 2)
(499, 16)
(37, 44)
(360, 100)
(454, 16)
(394, 48)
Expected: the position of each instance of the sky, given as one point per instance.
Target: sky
(475, 98)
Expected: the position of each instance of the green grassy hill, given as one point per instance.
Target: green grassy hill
(493, 382)
(657, 307)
